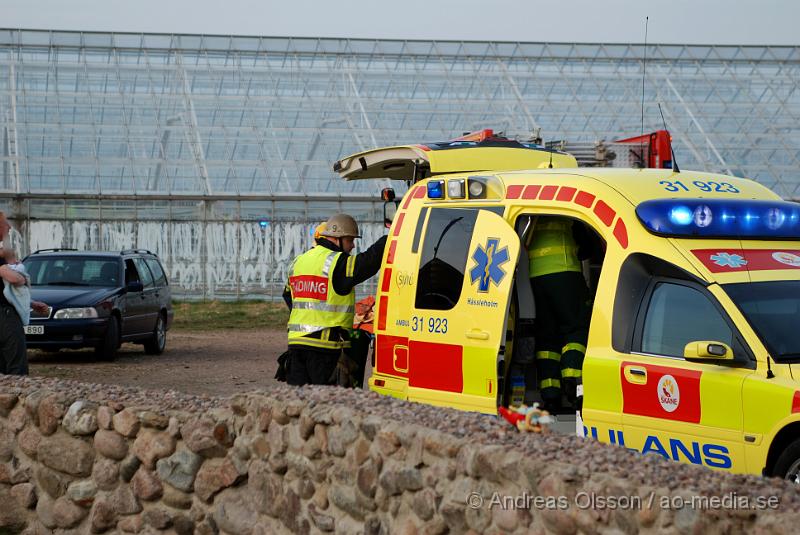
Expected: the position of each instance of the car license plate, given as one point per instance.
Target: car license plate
(34, 329)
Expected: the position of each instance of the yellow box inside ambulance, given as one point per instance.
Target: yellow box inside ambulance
(691, 345)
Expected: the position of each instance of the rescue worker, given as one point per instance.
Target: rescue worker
(563, 308)
(322, 300)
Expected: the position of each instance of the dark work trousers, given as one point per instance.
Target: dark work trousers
(310, 366)
(13, 352)
(563, 312)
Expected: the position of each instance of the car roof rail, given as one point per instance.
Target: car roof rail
(138, 251)
(53, 250)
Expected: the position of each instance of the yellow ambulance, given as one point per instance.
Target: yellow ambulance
(694, 338)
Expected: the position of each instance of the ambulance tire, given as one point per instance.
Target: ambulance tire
(788, 464)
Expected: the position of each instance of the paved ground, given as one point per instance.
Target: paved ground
(219, 363)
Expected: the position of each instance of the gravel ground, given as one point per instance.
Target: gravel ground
(218, 363)
(198, 369)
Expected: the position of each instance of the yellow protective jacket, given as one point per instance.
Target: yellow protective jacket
(316, 307)
(552, 248)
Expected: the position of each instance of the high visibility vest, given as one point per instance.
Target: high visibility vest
(553, 248)
(316, 307)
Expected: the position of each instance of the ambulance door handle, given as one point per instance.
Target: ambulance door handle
(400, 358)
(477, 334)
(636, 375)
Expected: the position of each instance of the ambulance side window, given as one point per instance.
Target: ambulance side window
(678, 314)
(444, 258)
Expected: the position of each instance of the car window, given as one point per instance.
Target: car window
(131, 273)
(677, 315)
(144, 272)
(444, 258)
(72, 271)
(158, 273)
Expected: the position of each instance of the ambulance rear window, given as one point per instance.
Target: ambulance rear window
(444, 257)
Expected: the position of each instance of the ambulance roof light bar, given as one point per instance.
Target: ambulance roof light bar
(721, 218)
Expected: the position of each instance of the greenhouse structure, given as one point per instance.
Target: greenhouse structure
(216, 151)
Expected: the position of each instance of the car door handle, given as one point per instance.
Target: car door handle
(400, 358)
(636, 375)
(477, 334)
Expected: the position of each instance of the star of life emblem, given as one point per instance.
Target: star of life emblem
(729, 260)
(487, 268)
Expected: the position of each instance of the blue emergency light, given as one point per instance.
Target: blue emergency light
(436, 189)
(721, 218)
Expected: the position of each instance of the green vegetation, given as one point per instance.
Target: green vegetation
(208, 315)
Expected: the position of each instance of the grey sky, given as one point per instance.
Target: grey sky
(608, 21)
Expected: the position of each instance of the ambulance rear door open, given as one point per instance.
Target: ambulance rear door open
(457, 319)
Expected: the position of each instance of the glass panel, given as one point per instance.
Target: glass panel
(444, 258)
(83, 209)
(144, 272)
(119, 209)
(256, 210)
(678, 315)
(224, 210)
(47, 209)
(187, 210)
(153, 210)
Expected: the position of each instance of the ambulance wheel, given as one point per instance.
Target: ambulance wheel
(788, 465)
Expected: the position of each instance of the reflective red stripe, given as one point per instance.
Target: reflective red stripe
(386, 280)
(566, 193)
(621, 233)
(409, 196)
(420, 192)
(399, 224)
(585, 199)
(390, 256)
(513, 192)
(531, 191)
(548, 193)
(796, 402)
(382, 309)
(604, 212)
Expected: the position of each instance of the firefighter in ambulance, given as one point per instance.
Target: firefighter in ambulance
(321, 297)
(563, 309)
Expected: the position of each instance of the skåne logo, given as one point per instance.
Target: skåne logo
(669, 395)
(487, 264)
(404, 278)
(787, 258)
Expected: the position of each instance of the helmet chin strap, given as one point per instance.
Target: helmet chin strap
(337, 242)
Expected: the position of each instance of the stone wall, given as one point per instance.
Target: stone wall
(79, 458)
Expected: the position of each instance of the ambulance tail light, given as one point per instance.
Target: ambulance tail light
(721, 218)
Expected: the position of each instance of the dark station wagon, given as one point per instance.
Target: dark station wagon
(99, 300)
